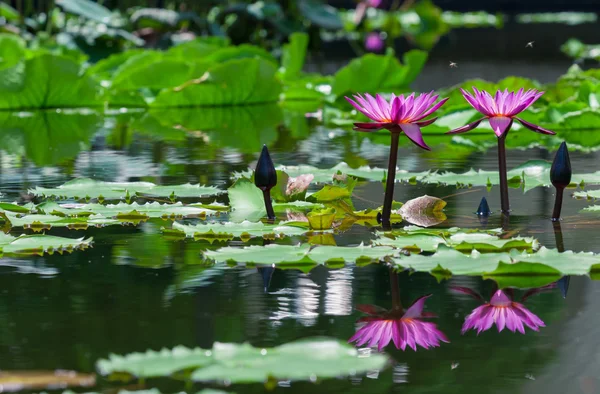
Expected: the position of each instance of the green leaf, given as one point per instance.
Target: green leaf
(294, 54)
(237, 82)
(414, 61)
(376, 74)
(320, 14)
(104, 69)
(246, 201)
(326, 175)
(87, 9)
(226, 231)
(321, 219)
(43, 222)
(197, 48)
(89, 188)
(300, 255)
(540, 262)
(9, 13)
(51, 81)
(40, 244)
(241, 363)
(122, 210)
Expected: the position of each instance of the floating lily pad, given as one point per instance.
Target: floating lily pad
(125, 211)
(589, 194)
(40, 244)
(41, 222)
(306, 359)
(326, 175)
(543, 262)
(228, 231)
(300, 255)
(89, 188)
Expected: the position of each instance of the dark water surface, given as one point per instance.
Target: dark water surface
(135, 290)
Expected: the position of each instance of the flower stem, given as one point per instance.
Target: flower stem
(386, 213)
(396, 303)
(558, 204)
(558, 237)
(269, 204)
(505, 207)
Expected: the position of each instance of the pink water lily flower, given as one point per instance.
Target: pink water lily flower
(404, 328)
(399, 114)
(502, 311)
(502, 109)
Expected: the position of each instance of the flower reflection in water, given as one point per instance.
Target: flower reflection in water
(404, 328)
(502, 311)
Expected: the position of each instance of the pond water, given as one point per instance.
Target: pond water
(136, 290)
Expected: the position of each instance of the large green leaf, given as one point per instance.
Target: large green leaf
(88, 188)
(197, 48)
(51, 81)
(237, 82)
(87, 9)
(43, 222)
(40, 244)
(378, 73)
(304, 359)
(320, 14)
(294, 53)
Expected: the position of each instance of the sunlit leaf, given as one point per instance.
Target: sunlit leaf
(236, 82)
(39, 244)
(241, 363)
(87, 9)
(227, 230)
(81, 188)
(320, 14)
(294, 53)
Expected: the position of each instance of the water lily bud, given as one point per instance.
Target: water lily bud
(265, 176)
(374, 42)
(563, 285)
(266, 273)
(484, 208)
(560, 173)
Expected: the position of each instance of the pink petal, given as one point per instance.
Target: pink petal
(397, 334)
(416, 309)
(424, 123)
(535, 128)
(384, 107)
(397, 110)
(500, 299)
(500, 124)
(430, 110)
(386, 335)
(466, 128)
(364, 111)
(467, 291)
(359, 126)
(500, 318)
(375, 107)
(472, 100)
(413, 132)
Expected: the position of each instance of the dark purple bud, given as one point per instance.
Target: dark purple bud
(265, 176)
(560, 173)
(484, 208)
(563, 285)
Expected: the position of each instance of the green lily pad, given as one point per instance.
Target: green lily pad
(302, 360)
(39, 244)
(42, 222)
(228, 230)
(122, 210)
(420, 240)
(305, 359)
(475, 263)
(88, 188)
(326, 175)
(589, 194)
(300, 255)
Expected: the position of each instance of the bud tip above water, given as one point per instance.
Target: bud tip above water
(560, 172)
(265, 176)
(484, 208)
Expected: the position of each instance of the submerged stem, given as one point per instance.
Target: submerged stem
(558, 204)
(396, 303)
(504, 205)
(269, 204)
(386, 213)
